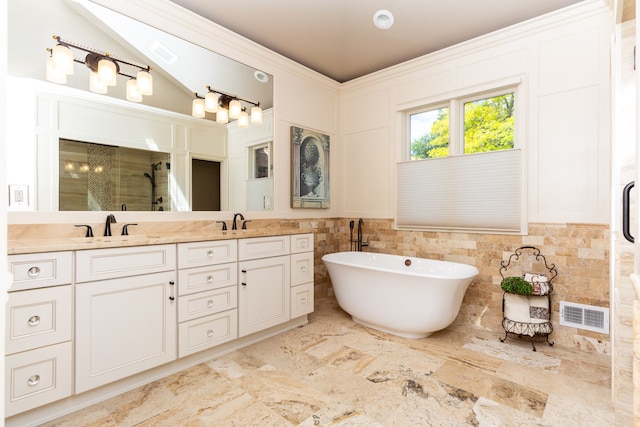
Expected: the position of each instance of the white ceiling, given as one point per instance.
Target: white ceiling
(337, 38)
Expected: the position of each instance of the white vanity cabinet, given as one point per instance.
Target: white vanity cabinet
(265, 277)
(302, 269)
(207, 295)
(38, 331)
(126, 315)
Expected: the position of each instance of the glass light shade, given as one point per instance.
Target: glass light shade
(133, 92)
(197, 108)
(107, 71)
(62, 59)
(211, 102)
(145, 82)
(235, 108)
(96, 84)
(243, 120)
(222, 116)
(256, 115)
(54, 75)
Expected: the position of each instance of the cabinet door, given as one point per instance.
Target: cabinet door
(124, 326)
(263, 294)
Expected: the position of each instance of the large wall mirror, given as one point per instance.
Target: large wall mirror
(77, 150)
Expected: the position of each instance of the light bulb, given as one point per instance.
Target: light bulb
(133, 92)
(222, 116)
(243, 120)
(197, 108)
(53, 74)
(235, 108)
(211, 102)
(107, 71)
(256, 115)
(96, 84)
(62, 59)
(145, 82)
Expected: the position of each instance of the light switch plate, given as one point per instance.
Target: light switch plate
(18, 195)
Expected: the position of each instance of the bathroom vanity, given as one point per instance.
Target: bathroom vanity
(105, 316)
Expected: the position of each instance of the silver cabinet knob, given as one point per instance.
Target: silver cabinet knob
(210, 333)
(33, 380)
(210, 253)
(303, 268)
(34, 271)
(210, 303)
(209, 279)
(33, 320)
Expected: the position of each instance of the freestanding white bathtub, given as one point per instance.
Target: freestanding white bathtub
(404, 296)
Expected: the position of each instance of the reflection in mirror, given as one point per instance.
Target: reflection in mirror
(96, 177)
(205, 178)
(162, 123)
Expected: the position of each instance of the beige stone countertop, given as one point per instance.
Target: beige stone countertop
(26, 246)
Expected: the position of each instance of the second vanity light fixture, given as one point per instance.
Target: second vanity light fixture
(226, 107)
(104, 68)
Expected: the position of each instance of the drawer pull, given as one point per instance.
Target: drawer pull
(209, 279)
(171, 297)
(34, 271)
(33, 320)
(210, 303)
(303, 268)
(33, 380)
(210, 253)
(210, 333)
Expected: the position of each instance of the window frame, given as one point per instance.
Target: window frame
(455, 104)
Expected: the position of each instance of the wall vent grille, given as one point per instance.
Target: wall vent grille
(581, 316)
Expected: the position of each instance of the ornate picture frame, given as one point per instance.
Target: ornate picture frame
(309, 169)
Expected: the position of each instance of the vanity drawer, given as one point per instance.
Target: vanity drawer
(198, 254)
(100, 264)
(205, 303)
(301, 268)
(206, 332)
(37, 377)
(38, 317)
(263, 247)
(207, 278)
(40, 270)
(301, 300)
(301, 243)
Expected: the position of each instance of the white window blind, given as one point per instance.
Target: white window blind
(471, 192)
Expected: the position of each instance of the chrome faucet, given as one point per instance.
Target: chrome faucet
(234, 226)
(111, 219)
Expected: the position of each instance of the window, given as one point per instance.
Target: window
(260, 160)
(462, 170)
(487, 123)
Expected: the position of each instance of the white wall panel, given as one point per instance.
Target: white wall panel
(571, 176)
(368, 173)
(570, 62)
(365, 109)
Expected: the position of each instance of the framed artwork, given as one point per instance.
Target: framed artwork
(309, 169)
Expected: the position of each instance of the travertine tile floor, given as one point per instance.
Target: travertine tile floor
(334, 372)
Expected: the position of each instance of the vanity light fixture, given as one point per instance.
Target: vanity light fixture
(226, 107)
(104, 69)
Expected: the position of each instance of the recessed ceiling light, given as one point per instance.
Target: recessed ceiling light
(383, 19)
(261, 76)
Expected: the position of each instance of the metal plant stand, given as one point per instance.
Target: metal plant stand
(533, 330)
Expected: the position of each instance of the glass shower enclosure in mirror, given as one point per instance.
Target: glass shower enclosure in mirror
(161, 126)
